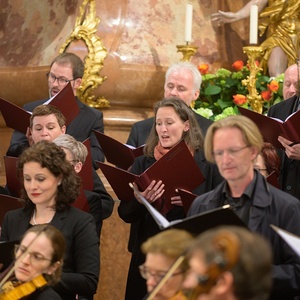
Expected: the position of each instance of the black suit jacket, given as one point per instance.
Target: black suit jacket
(82, 260)
(140, 130)
(80, 128)
(290, 168)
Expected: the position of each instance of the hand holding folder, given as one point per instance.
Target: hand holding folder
(117, 153)
(195, 224)
(176, 169)
(271, 128)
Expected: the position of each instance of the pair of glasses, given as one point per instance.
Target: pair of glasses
(231, 152)
(158, 276)
(259, 169)
(35, 258)
(60, 80)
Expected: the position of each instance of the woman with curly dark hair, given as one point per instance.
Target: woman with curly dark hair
(49, 187)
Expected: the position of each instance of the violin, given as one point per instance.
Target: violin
(228, 247)
(12, 292)
(16, 291)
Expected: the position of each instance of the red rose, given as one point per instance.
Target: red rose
(203, 68)
(239, 99)
(273, 86)
(266, 95)
(238, 65)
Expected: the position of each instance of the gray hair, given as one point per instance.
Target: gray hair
(76, 148)
(186, 66)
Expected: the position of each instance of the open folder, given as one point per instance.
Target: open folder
(271, 128)
(176, 169)
(17, 118)
(292, 240)
(198, 223)
(117, 153)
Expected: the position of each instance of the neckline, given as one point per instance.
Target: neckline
(34, 220)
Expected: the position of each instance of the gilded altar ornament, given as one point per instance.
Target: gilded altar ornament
(187, 51)
(255, 100)
(85, 29)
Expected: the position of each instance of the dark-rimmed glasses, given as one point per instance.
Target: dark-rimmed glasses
(60, 80)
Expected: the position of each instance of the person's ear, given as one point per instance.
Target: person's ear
(224, 285)
(78, 167)
(63, 129)
(186, 126)
(196, 95)
(53, 268)
(254, 152)
(77, 83)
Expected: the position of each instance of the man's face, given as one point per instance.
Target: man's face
(65, 72)
(181, 85)
(290, 82)
(233, 156)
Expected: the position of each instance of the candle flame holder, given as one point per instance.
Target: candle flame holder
(187, 51)
(255, 100)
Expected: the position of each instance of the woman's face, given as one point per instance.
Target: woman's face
(169, 126)
(157, 266)
(40, 184)
(37, 260)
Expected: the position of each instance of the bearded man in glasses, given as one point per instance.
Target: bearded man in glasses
(65, 68)
(233, 144)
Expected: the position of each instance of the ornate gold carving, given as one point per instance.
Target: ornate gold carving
(85, 29)
(255, 100)
(187, 51)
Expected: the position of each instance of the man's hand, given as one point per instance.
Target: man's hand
(292, 150)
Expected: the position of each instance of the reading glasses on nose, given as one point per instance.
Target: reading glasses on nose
(34, 257)
(158, 276)
(61, 81)
(231, 151)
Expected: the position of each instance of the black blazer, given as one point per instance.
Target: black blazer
(82, 259)
(80, 128)
(290, 168)
(140, 130)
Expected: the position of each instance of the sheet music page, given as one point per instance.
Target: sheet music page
(292, 240)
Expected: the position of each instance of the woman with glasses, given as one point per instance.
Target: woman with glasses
(174, 121)
(162, 251)
(49, 187)
(40, 252)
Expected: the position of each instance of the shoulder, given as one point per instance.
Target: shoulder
(285, 103)
(89, 110)
(31, 105)
(144, 123)
(76, 215)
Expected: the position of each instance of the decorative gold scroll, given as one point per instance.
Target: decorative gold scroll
(85, 29)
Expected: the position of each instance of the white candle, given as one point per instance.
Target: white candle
(188, 22)
(253, 24)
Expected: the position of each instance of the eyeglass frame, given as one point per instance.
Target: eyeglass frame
(33, 258)
(231, 151)
(146, 274)
(59, 79)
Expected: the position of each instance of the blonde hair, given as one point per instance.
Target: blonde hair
(251, 134)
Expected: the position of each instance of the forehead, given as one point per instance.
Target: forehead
(183, 76)
(45, 119)
(166, 112)
(61, 70)
(37, 243)
(291, 73)
(158, 261)
(230, 135)
(33, 167)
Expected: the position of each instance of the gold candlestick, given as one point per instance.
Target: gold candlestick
(187, 51)
(255, 100)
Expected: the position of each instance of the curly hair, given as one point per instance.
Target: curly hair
(52, 157)
(271, 158)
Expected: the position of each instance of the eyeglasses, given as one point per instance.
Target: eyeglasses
(259, 169)
(35, 258)
(158, 276)
(61, 81)
(231, 152)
